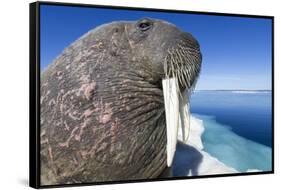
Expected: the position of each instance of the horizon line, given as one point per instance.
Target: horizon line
(234, 89)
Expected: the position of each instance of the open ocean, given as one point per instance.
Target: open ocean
(238, 127)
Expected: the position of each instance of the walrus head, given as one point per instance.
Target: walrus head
(165, 56)
(111, 97)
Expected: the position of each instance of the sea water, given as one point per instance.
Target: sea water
(238, 127)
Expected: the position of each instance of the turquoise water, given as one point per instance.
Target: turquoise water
(233, 150)
(238, 127)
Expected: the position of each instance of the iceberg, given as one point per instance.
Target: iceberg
(251, 91)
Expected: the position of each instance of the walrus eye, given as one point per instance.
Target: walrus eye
(144, 25)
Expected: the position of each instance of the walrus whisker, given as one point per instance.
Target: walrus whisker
(181, 78)
(181, 65)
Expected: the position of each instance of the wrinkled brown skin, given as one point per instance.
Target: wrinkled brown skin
(102, 107)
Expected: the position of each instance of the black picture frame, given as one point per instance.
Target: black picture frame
(34, 92)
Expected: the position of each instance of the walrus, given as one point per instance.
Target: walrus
(112, 102)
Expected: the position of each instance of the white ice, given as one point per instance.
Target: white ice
(191, 160)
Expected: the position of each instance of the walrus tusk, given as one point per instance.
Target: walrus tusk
(177, 113)
(184, 116)
(171, 100)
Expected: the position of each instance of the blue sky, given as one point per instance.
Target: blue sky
(236, 50)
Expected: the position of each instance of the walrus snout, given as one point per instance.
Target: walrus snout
(183, 60)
